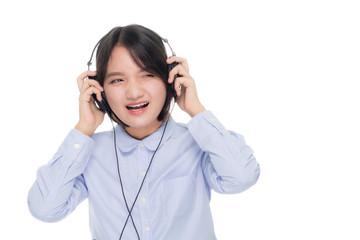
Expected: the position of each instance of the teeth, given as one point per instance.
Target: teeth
(137, 105)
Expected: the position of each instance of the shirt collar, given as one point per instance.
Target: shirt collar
(126, 143)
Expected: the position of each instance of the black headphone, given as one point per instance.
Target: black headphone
(104, 106)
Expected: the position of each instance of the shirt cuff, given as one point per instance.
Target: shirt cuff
(76, 144)
(68, 163)
(203, 125)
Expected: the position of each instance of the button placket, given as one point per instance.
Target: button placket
(143, 201)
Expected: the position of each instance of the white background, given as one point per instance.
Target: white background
(285, 74)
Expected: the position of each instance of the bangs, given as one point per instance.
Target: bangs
(147, 51)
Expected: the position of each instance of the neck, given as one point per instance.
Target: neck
(142, 132)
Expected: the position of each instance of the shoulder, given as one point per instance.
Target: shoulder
(181, 128)
(178, 129)
(180, 134)
(104, 136)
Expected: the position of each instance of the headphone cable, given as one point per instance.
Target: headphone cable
(142, 183)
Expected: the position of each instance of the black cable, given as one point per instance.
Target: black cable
(142, 183)
(122, 188)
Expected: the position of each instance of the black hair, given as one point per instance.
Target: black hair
(147, 50)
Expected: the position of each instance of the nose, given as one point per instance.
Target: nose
(134, 90)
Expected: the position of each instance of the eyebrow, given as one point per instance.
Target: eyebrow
(121, 74)
(114, 74)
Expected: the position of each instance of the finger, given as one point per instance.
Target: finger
(98, 95)
(181, 84)
(91, 83)
(179, 70)
(180, 60)
(82, 84)
(86, 95)
(80, 79)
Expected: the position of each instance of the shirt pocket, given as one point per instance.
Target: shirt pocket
(179, 195)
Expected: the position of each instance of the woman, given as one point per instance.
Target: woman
(151, 177)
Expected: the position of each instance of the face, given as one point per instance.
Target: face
(136, 96)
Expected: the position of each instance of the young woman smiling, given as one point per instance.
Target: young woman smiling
(150, 178)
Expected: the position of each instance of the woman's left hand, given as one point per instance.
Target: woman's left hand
(187, 97)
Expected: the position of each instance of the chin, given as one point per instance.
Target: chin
(141, 122)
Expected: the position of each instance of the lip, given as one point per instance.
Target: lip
(137, 112)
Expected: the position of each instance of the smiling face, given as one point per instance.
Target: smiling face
(135, 96)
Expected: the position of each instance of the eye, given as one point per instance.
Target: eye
(148, 75)
(116, 81)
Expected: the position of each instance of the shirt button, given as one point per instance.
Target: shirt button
(76, 145)
(143, 200)
(143, 174)
(147, 228)
(141, 145)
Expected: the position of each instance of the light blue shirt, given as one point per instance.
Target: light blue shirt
(173, 204)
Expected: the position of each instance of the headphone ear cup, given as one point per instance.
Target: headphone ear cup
(172, 85)
(103, 104)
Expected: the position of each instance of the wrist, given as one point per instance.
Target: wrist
(196, 110)
(85, 130)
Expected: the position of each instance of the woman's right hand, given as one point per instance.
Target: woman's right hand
(90, 115)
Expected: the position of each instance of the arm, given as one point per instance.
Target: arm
(229, 164)
(60, 186)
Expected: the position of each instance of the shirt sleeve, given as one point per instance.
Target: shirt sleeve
(229, 165)
(60, 185)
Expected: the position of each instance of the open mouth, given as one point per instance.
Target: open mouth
(137, 107)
